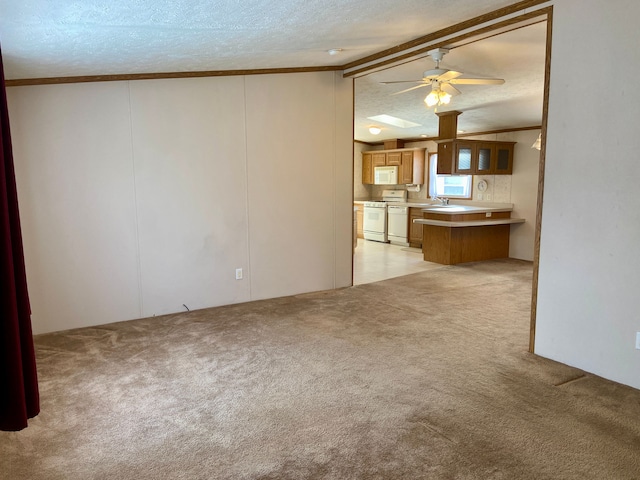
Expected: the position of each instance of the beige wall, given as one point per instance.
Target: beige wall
(588, 294)
(139, 197)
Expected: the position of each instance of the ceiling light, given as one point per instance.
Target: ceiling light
(437, 97)
(538, 143)
(374, 130)
(334, 51)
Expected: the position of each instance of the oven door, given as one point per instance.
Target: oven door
(375, 223)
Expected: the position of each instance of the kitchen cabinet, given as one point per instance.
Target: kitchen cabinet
(410, 163)
(378, 159)
(415, 229)
(408, 173)
(367, 169)
(452, 238)
(359, 211)
(394, 158)
(473, 157)
(504, 159)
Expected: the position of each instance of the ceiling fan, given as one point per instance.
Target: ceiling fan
(441, 81)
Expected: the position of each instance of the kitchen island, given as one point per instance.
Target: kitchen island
(455, 234)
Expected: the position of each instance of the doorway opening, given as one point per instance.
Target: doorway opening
(484, 115)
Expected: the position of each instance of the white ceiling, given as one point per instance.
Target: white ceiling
(61, 38)
(517, 56)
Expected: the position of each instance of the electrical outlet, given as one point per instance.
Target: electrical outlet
(238, 274)
(638, 340)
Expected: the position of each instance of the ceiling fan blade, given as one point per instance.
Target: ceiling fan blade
(451, 74)
(477, 81)
(412, 88)
(450, 89)
(401, 81)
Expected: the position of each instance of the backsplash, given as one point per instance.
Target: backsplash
(498, 189)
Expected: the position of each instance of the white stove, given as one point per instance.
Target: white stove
(375, 215)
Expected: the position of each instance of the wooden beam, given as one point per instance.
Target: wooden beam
(155, 76)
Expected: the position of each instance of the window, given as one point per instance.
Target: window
(450, 186)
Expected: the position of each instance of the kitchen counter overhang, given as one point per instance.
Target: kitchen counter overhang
(469, 223)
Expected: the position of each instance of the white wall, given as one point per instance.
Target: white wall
(588, 292)
(139, 197)
(524, 192)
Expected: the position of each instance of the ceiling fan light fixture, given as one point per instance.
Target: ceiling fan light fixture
(432, 99)
(437, 97)
(375, 130)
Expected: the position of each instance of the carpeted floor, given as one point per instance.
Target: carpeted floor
(424, 376)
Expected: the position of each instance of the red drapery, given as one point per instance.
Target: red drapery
(19, 397)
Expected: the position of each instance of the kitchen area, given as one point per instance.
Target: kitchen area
(402, 227)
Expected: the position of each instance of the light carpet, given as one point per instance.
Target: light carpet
(419, 377)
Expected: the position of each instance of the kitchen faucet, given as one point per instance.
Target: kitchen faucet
(442, 200)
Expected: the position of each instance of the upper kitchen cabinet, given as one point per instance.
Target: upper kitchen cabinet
(369, 161)
(367, 168)
(473, 157)
(410, 163)
(504, 158)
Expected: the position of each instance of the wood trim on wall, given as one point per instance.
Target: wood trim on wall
(543, 153)
(503, 130)
(464, 135)
(154, 76)
(397, 49)
(447, 31)
(436, 37)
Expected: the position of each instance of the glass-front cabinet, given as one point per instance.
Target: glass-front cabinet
(472, 157)
(486, 158)
(464, 158)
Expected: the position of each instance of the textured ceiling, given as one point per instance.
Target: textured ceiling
(61, 38)
(517, 56)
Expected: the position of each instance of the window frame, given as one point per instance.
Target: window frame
(434, 183)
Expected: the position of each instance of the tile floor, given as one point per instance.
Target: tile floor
(375, 261)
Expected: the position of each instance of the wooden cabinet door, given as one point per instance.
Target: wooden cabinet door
(504, 159)
(465, 158)
(445, 158)
(415, 229)
(394, 158)
(378, 159)
(360, 221)
(406, 168)
(485, 162)
(367, 169)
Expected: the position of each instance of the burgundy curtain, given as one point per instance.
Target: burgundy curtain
(19, 398)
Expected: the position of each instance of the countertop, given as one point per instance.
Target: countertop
(465, 209)
(456, 209)
(469, 223)
(453, 208)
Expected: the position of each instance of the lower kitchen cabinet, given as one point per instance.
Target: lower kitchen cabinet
(359, 211)
(415, 229)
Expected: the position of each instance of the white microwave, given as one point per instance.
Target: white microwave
(385, 175)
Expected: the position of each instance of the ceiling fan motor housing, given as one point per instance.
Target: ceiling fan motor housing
(437, 54)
